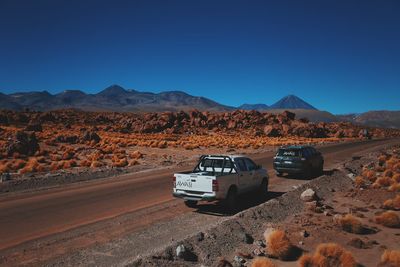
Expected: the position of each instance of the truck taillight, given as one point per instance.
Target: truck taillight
(215, 186)
(174, 181)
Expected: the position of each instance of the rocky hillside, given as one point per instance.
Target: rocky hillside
(257, 123)
(381, 118)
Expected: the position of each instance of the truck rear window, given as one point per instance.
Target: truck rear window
(216, 163)
(289, 153)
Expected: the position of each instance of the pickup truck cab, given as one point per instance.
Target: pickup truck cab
(220, 177)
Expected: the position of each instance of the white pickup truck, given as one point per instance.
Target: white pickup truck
(220, 177)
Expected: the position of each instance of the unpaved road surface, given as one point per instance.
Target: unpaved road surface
(39, 226)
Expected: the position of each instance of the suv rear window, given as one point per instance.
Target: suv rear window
(289, 153)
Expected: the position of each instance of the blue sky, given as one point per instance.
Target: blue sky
(340, 56)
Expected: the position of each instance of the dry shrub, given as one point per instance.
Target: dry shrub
(120, 163)
(85, 163)
(96, 156)
(391, 162)
(223, 263)
(191, 146)
(96, 164)
(32, 166)
(41, 159)
(162, 144)
(135, 155)
(380, 168)
(394, 187)
(396, 177)
(55, 157)
(382, 159)
(359, 181)
(392, 204)
(67, 155)
(396, 168)
(388, 219)
(134, 162)
(262, 262)
(328, 255)
(54, 166)
(382, 182)
(279, 245)
(388, 173)
(67, 164)
(390, 258)
(17, 164)
(5, 167)
(351, 224)
(369, 175)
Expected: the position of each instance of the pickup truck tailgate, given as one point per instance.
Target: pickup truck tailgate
(194, 182)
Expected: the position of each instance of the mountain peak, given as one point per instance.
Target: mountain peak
(291, 102)
(113, 90)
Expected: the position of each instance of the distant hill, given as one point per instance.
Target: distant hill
(113, 98)
(259, 107)
(291, 102)
(310, 114)
(379, 118)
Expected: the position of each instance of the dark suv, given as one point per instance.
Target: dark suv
(302, 160)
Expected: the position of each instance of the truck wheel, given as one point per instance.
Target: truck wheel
(321, 169)
(307, 173)
(264, 187)
(230, 201)
(279, 174)
(191, 203)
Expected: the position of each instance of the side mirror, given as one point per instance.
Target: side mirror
(258, 167)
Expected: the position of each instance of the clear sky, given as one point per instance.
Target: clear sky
(342, 56)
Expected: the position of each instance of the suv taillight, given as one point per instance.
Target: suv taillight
(215, 186)
(174, 181)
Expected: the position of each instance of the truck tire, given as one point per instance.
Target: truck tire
(230, 201)
(307, 172)
(191, 203)
(279, 174)
(264, 187)
(321, 169)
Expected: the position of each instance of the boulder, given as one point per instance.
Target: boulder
(35, 127)
(308, 195)
(91, 136)
(23, 143)
(272, 130)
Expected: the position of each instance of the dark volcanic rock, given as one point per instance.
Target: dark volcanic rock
(23, 143)
(35, 127)
(91, 136)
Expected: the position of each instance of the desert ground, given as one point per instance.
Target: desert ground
(94, 189)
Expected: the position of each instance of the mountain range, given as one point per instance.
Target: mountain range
(113, 98)
(116, 98)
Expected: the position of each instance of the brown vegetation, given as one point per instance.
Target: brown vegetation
(262, 262)
(390, 258)
(328, 255)
(57, 137)
(279, 245)
(351, 224)
(388, 219)
(392, 204)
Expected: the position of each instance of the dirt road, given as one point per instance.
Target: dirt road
(29, 216)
